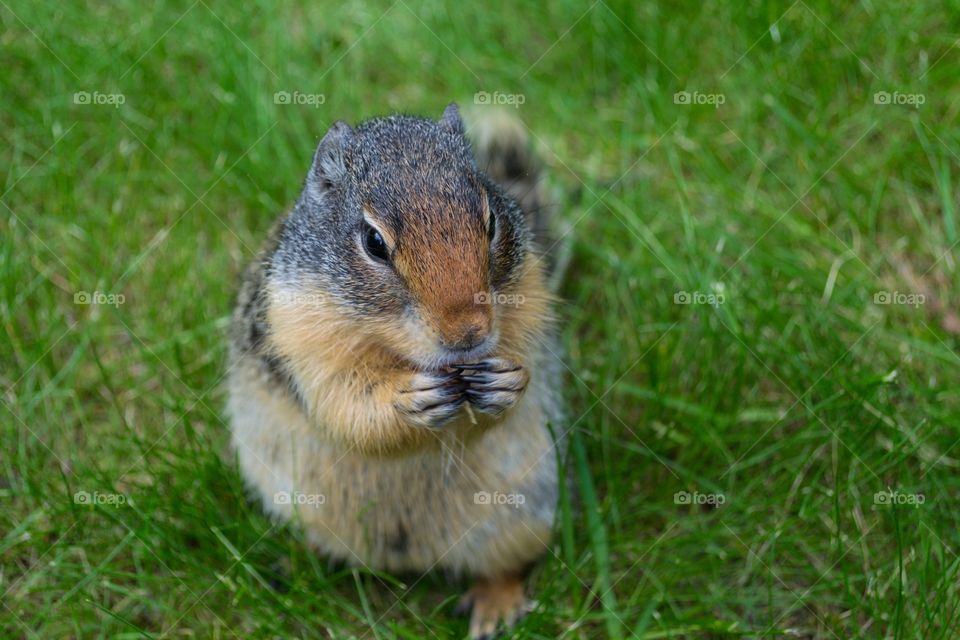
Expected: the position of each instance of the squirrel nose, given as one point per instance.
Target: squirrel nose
(467, 330)
(473, 336)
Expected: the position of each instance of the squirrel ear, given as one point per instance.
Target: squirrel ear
(451, 119)
(329, 166)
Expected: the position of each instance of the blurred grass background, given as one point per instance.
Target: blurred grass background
(802, 203)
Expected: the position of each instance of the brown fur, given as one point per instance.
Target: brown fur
(444, 266)
(493, 602)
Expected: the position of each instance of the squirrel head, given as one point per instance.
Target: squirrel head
(406, 237)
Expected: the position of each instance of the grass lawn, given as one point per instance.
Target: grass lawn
(761, 319)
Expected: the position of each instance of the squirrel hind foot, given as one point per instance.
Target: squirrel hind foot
(494, 605)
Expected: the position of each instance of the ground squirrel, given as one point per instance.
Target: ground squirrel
(392, 378)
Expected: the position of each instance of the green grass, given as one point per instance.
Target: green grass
(797, 399)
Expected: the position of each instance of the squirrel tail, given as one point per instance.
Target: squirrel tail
(503, 150)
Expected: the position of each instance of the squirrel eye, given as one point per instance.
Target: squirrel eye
(374, 244)
(492, 226)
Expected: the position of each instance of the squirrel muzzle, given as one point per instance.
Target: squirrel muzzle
(466, 328)
(446, 267)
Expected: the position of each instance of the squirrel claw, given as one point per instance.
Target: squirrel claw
(437, 381)
(495, 385)
(488, 379)
(497, 365)
(475, 366)
(432, 400)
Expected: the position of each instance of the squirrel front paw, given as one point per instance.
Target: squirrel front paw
(495, 384)
(431, 399)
